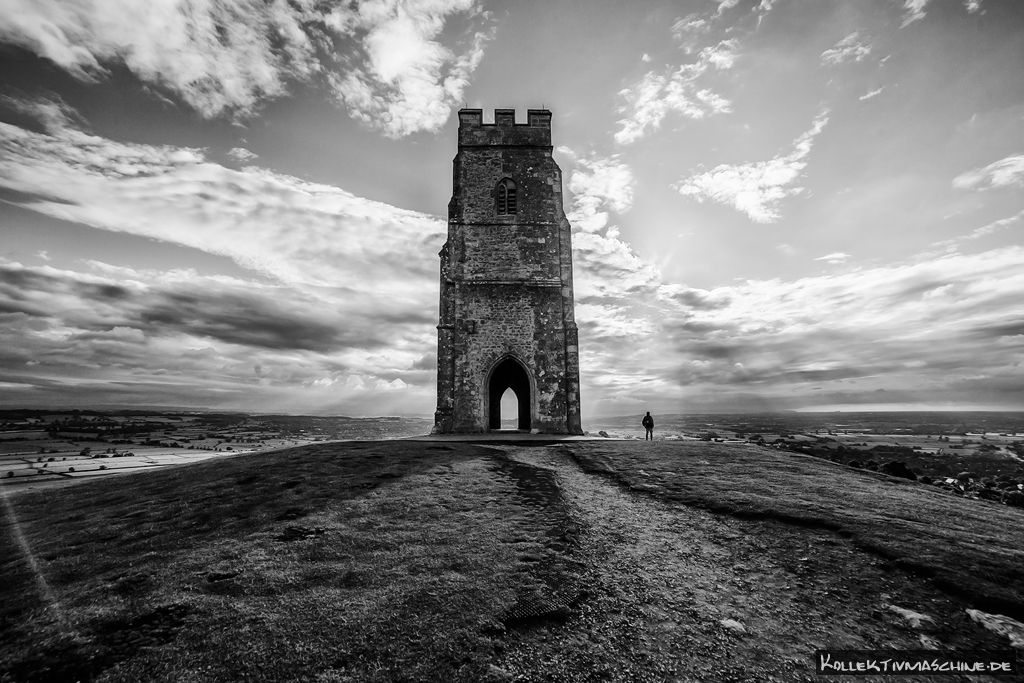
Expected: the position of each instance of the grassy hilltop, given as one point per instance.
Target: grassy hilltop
(393, 561)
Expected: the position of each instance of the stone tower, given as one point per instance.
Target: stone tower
(506, 318)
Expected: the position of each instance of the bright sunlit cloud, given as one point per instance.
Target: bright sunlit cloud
(599, 186)
(756, 188)
(241, 155)
(410, 80)
(1006, 172)
(836, 257)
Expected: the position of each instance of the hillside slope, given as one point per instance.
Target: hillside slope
(389, 561)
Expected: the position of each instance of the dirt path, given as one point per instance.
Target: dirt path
(679, 594)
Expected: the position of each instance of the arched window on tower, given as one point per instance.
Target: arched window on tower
(506, 197)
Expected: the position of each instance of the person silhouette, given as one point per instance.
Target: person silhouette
(648, 423)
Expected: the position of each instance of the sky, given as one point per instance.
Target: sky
(776, 204)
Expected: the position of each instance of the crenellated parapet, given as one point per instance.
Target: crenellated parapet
(473, 132)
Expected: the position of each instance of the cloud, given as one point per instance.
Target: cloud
(995, 226)
(182, 337)
(178, 338)
(616, 291)
(871, 94)
(915, 11)
(233, 311)
(409, 80)
(650, 100)
(931, 323)
(691, 23)
(846, 50)
(382, 58)
(693, 298)
(687, 31)
(725, 4)
(836, 257)
(351, 279)
(924, 328)
(606, 269)
(929, 327)
(755, 188)
(217, 57)
(599, 185)
(241, 155)
(1003, 173)
(292, 230)
(45, 114)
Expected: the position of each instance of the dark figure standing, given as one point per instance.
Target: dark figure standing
(648, 423)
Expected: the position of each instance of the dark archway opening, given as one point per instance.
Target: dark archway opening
(509, 375)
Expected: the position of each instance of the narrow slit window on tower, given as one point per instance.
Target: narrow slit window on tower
(506, 197)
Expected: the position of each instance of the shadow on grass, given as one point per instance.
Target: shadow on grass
(327, 560)
(153, 511)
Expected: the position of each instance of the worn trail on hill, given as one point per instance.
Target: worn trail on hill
(682, 594)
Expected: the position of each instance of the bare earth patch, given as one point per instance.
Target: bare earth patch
(392, 561)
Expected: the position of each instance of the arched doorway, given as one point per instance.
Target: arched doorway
(509, 374)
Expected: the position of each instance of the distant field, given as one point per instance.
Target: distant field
(934, 444)
(38, 449)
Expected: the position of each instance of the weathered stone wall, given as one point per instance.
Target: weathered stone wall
(506, 281)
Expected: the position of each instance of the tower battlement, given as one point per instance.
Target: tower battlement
(473, 132)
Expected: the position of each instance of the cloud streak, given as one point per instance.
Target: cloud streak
(914, 11)
(835, 257)
(755, 188)
(174, 303)
(295, 231)
(849, 49)
(1008, 172)
(656, 95)
(978, 233)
